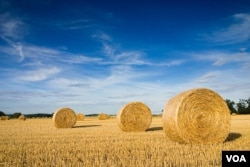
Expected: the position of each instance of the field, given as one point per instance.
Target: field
(93, 142)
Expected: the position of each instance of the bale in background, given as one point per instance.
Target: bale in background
(64, 118)
(80, 117)
(22, 118)
(134, 116)
(103, 116)
(197, 116)
(4, 117)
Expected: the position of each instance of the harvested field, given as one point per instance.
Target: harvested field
(93, 142)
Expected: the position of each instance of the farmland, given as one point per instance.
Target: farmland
(93, 142)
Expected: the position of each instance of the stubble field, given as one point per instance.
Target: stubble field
(93, 142)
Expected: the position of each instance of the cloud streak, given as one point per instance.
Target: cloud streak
(235, 33)
(39, 74)
(222, 58)
(11, 27)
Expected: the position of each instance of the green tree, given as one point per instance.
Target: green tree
(231, 106)
(2, 113)
(243, 106)
(16, 115)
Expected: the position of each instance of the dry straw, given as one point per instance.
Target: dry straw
(197, 116)
(4, 117)
(64, 118)
(134, 116)
(22, 118)
(80, 117)
(103, 116)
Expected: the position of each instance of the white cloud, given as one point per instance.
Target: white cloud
(39, 74)
(103, 37)
(72, 24)
(222, 58)
(80, 59)
(235, 33)
(11, 27)
(208, 77)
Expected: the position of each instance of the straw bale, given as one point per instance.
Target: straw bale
(103, 116)
(64, 118)
(22, 118)
(80, 117)
(4, 117)
(198, 116)
(134, 116)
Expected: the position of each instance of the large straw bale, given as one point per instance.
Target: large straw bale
(22, 118)
(80, 117)
(197, 116)
(103, 116)
(64, 118)
(4, 117)
(134, 116)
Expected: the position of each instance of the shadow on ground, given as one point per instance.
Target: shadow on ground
(85, 126)
(233, 136)
(154, 129)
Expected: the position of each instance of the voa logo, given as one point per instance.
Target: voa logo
(236, 158)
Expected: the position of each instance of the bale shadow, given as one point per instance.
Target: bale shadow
(86, 126)
(233, 136)
(155, 129)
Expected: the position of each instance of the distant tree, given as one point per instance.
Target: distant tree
(248, 105)
(243, 106)
(2, 113)
(231, 106)
(16, 115)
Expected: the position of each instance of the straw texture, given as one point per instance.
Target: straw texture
(64, 118)
(4, 118)
(103, 116)
(134, 116)
(198, 116)
(22, 118)
(80, 117)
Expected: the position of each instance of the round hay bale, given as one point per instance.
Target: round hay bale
(103, 116)
(80, 117)
(4, 117)
(22, 118)
(64, 118)
(134, 117)
(197, 116)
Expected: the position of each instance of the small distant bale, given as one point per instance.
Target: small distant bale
(64, 118)
(80, 117)
(103, 116)
(22, 118)
(134, 117)
(4, 118)
(197, 116)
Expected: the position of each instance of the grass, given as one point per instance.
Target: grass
(92, 142)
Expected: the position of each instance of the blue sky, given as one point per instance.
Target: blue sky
(96, 56)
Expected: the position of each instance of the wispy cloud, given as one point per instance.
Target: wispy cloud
(72, 24)
(208, 77)
(222, 58)
(11, 27)
(234, 33)
(39, 74)
(102, 36)
(117, 56)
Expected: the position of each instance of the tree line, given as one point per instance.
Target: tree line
(17, 114)
(241, 107)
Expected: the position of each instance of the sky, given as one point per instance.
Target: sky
(97, 56)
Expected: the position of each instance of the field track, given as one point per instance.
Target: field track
(93, 142)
